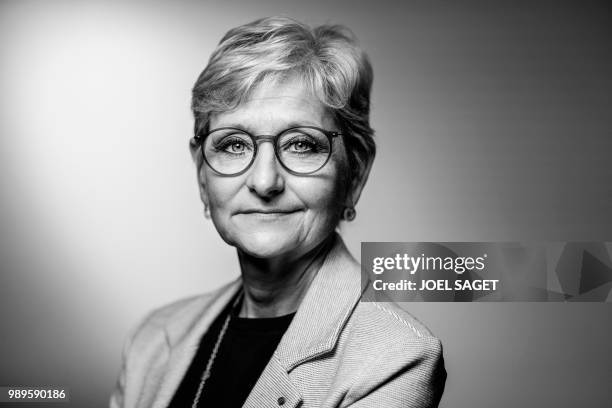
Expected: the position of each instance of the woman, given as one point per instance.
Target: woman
(283, 148)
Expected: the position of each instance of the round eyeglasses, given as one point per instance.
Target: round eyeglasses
(300, 150)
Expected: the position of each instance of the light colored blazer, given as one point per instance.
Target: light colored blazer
(338, 351)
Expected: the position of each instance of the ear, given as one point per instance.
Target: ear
(358, 182)
(198, 160)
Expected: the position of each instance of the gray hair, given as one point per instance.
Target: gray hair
(326, 58)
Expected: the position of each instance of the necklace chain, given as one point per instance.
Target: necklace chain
(213, 355)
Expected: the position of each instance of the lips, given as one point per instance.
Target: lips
(269, 211)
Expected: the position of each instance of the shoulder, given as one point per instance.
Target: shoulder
(396, 360)
(176, 316)
(393, 335)
(386, 324)
(150, 343)
(391, 315)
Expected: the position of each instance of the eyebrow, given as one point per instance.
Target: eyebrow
(288, 125)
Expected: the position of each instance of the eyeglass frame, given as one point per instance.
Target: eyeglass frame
(330, 134)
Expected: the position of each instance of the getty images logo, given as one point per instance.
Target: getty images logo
(412, 264)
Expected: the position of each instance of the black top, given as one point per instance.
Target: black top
(243, 353)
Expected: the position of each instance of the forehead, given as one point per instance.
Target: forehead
(272, 107)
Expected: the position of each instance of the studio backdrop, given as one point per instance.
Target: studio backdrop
(493, 123)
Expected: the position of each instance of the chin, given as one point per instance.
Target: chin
(266, 244)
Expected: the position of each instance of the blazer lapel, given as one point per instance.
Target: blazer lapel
(326, 307)
(314, 330)
(274, 388)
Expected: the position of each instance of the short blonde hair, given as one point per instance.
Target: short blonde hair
(327, 58)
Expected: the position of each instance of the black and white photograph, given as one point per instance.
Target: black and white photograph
(293, 204)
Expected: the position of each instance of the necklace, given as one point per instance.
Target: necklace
(213, 355)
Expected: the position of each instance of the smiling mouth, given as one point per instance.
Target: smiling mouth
(269, 212)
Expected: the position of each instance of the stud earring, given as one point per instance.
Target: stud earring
(206, 212)
(349, 213)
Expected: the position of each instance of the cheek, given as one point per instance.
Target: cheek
(219, 191)
(327, 195)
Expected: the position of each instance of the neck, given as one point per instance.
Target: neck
(276, 287)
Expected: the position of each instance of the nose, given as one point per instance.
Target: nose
(264, 177)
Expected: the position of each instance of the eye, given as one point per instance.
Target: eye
(232, 145)
(236, 147)
(302, 146)
(299, 144)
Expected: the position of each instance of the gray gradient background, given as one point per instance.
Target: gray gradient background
(493, 123)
